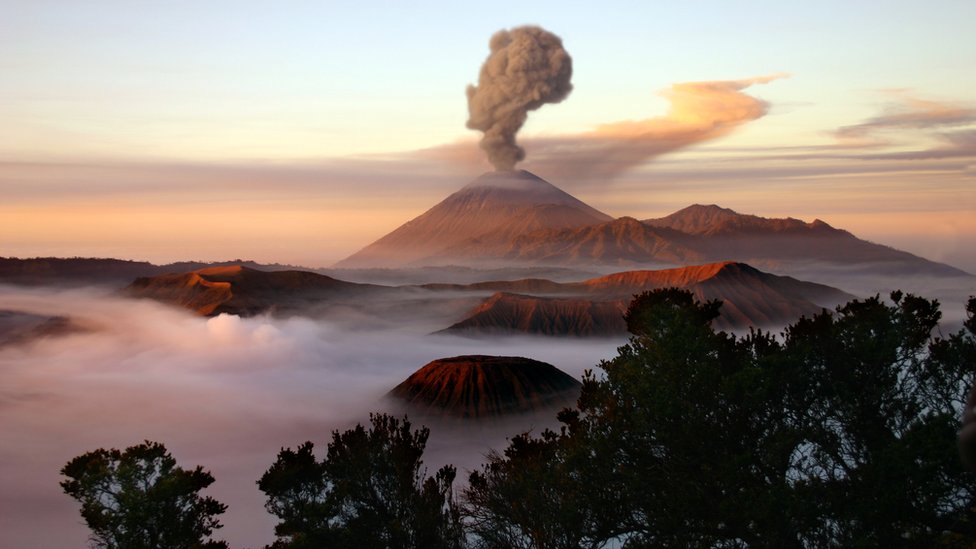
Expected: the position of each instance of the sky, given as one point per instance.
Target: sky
(298, 132)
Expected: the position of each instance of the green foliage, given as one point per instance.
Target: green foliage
(880, 410)
(369, 491)
(140, 499)
(839, 433)
(530, 498)
(967, 435)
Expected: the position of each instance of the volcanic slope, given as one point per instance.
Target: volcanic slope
(497, 207)
(699, 234)
(243, 291)
(619, 242)
(479, 386)
(595, 307)
(509, 219)
(718, 233)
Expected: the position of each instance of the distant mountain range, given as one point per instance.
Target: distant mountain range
(479, 387)
(515, 222)
(86, 271)
(595, 307)
(518, 219)
(244, 291)
(506, 224)
(720, 233)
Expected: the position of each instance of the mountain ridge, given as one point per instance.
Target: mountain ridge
(594, 307)
(79, 271)
(518, 219)
(241, 290)
(711, 220)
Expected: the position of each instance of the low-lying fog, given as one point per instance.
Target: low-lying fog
(225, 393)
(951, 292)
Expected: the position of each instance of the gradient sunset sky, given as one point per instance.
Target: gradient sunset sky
(298, 132)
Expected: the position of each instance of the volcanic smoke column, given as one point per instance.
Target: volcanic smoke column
(527, 68)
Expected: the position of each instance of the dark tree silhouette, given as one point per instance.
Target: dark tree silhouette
(967, 435)
(839, 433)
(371, 490)
(140, 499)
(880, 401)
(530, 497)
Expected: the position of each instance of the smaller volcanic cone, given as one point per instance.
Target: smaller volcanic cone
(479, 386)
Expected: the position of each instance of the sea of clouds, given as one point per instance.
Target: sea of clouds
(225, 393)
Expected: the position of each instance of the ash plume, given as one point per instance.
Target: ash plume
(526, 69)
(699, 112)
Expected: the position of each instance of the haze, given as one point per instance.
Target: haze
(224, 392)
(299, 134)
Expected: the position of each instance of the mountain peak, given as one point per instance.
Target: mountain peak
(495, 207)
(514, 179)
(697, 218)
(712, 220)
(708, 208)
(518, 187)
(680, 276)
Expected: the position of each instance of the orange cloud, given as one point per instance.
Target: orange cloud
(700, 111)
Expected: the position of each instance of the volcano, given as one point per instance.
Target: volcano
(718, 233)
(480, 386)
(490, 211)
(516, 219)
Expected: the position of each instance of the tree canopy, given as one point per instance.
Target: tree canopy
(140, 499)
(840, 432)
(371, 490)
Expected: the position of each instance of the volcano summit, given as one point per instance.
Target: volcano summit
(494, 208)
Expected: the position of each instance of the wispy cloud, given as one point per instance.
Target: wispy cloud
(699, 112)
(907, 112)
(914, 154)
